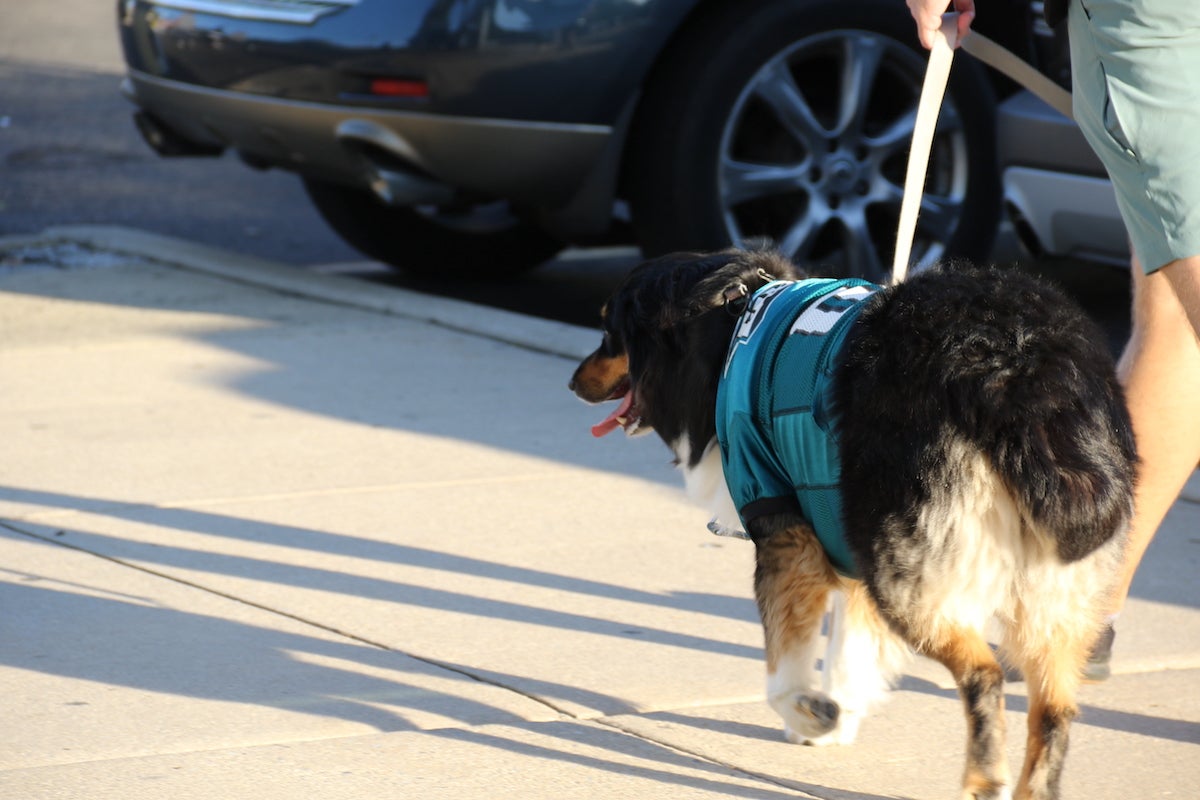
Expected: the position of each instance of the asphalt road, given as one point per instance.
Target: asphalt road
(69, 154)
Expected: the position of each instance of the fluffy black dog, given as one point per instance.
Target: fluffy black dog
(958, 449)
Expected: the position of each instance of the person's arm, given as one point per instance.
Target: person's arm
(928, 16)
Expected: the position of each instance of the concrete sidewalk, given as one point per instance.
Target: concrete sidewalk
(266, 533)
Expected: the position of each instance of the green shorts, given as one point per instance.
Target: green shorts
(1136, 73)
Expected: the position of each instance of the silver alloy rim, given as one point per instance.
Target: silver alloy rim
(813, 152)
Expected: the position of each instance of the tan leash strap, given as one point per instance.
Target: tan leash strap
(932, 91)
(930, 102)
(1004, 61)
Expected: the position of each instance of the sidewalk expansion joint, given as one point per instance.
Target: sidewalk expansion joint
(705, 757)
(563, 712)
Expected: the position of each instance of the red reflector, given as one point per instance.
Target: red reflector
(399, 87)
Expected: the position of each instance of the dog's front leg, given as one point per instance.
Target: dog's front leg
(792, 584)
(862, 657)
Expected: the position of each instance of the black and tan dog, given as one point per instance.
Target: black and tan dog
(959, 441)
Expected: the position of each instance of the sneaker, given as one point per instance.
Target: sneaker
(1097, 667)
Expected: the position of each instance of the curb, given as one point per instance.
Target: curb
(531, 333)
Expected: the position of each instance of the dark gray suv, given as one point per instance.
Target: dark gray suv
(481, 136)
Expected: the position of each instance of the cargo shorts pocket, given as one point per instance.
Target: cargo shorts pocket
(1112, 119)
(1111, 110)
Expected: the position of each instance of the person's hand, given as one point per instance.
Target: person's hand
(928, 16)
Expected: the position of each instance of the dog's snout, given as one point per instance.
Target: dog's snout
(574, 383)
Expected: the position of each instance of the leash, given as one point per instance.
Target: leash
(932, 91)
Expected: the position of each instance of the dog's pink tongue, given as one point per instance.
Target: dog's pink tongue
(610, 423)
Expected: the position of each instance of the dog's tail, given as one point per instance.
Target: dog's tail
(1028, 379)
(1066, 453)
(1037, 389)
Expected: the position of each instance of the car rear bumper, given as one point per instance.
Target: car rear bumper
(534, 162)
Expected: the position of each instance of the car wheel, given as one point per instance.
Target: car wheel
(474, 241)
(789, 122)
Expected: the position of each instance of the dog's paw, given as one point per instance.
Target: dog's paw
(810, 717)
(820, 708)
(1002, 792)
(845, 732)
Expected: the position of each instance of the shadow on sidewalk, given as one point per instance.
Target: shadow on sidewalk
(129, 642)
(306, 572)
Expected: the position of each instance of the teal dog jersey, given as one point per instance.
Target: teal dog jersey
(775, 423)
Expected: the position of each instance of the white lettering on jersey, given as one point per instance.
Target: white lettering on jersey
(819, 318)
(752, 317)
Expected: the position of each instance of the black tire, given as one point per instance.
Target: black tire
(485, 241)
(723, 154)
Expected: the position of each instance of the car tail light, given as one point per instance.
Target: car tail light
(399, 87)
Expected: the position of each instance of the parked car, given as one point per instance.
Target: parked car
(482, 136)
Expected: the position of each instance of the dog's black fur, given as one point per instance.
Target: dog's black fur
(956, 384)
(1012, 366)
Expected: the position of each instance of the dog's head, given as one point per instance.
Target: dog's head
(666, 333)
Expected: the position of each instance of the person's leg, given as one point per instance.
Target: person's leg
(1184, 277)
(1161, 372)
(1138, 107)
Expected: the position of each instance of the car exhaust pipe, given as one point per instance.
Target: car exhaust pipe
(400, 188)
(391, 166)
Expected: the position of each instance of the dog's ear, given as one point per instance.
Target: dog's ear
(684, 286)
(730, 289)
(738, 294)
(735, 296)
(722, 289)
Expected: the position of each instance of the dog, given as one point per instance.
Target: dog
(967, 435)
